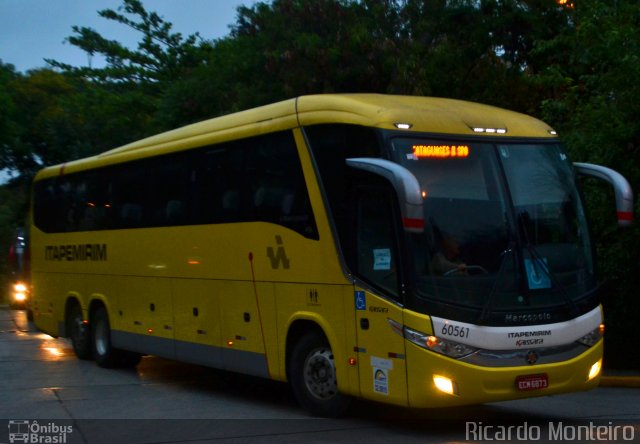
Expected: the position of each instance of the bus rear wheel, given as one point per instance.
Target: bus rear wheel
(80, 333)
(104, 353)
(312, 376)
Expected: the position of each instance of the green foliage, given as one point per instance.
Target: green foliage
(594, 101)
(9, 127)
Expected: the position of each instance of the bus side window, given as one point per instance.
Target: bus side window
(376, 244)
(276, 184)
(218, 185)
(48, 213)
(330, 146)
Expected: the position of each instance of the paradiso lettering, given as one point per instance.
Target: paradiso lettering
(80, 252)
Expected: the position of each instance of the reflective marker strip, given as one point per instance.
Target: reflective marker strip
(517, 337)
(625, 215)
(413, 223)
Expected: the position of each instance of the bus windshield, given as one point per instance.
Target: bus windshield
(505, 229)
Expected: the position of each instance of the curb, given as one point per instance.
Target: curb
(620, 381)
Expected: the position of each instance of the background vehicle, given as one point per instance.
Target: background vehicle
(297, 242)
(19, 266)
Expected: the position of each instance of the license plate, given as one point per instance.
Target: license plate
(532, 382)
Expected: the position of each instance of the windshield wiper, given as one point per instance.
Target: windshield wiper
(488, 305)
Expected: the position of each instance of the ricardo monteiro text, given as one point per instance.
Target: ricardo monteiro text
(79, 252)
(555, 431)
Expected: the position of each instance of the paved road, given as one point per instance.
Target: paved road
(163, 401)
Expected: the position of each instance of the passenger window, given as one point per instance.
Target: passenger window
(257, 179)
(277, 187)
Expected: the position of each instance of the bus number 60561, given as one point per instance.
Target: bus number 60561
(455, 330)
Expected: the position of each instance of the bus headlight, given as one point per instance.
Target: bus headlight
(443, 346)
(19, 292)
(592, 337)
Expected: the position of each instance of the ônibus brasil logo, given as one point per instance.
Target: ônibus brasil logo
(33, 432)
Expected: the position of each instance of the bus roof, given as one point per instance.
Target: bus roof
(422, 114)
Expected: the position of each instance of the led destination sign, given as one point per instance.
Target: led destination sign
(440, 151)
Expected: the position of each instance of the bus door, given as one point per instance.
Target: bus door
(380, 344)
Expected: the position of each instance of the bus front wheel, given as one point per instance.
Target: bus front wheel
(104, 353)
(313, 376)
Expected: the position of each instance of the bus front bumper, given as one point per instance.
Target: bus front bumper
(439, 381)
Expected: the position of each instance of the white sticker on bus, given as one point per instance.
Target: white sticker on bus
(386, 364)
(381, 381)
(382, 259)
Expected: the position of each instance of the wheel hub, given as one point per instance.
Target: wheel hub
(320, 374)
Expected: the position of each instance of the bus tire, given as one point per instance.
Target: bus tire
(79, 333)
(105, 354)
(312, 376)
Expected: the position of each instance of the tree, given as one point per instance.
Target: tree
(8, 125)
(594, 101)
(133, 81)
(287, 48)
(161, 55)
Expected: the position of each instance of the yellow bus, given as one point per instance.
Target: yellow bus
(416, 251)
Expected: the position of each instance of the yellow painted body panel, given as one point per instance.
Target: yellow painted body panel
(144, 306)
(382, 368)
(197, 311)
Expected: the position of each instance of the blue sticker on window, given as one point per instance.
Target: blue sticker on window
(537, 273)
(361, 300)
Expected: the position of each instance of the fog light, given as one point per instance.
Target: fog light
(19, 297)
(595, 370)
(444, 384)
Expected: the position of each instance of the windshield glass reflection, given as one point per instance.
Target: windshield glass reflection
(504, 225)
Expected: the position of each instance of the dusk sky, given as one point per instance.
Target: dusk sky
(32, 30)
